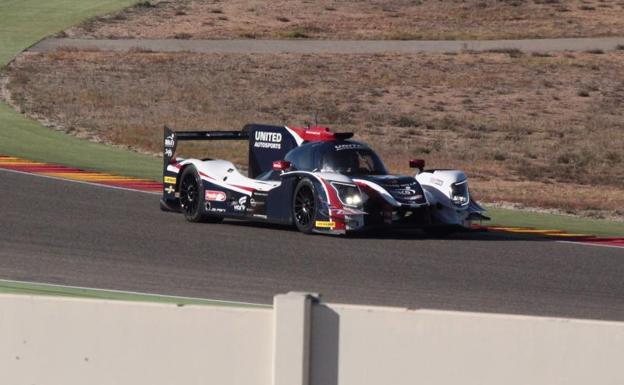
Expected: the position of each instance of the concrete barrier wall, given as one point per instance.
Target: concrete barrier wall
(48, 341)
(60, 341)
(364, 345)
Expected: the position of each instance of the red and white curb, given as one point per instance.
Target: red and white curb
(78, 175)
(561, 236)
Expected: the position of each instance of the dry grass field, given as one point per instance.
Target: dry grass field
(539, 130)
(356, 19)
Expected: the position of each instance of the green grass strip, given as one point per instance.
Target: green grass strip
(24, 138)
(23, 23)
(42, 289)
(518, 218)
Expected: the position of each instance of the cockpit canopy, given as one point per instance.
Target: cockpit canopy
(343, 157)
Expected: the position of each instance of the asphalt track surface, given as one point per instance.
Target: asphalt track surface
(331, 46)
(62, 232)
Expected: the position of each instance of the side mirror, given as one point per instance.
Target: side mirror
(281, 165)
(417, 163)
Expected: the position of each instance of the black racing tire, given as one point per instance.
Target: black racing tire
(192, 201)
(305, 206)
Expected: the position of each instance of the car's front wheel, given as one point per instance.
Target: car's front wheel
(192, 199)
(304, 206)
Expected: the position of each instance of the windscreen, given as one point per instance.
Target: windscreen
(352, 161)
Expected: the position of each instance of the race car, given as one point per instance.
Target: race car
(315, 179)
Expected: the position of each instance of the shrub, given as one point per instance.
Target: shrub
(512, 52)
(297, 33)
(145, 4)
(182, 36)
(405, 121)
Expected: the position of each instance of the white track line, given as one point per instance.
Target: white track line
(80, 181)
(134, 293)
(592, 244)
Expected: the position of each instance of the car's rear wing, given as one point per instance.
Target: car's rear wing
(170, 144)
(266, 143)
(171, 138)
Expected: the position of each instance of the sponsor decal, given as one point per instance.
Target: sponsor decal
(214, 196)
(169, 189)
(408, 193)
(349, 146)
(241, 204)
(270, 140)
(345, 211)
(170, 179)
(405, 191)
(169, 141)
(325, 224)
(436, 181)
(257, 203)
(169, 145)
(216, 210)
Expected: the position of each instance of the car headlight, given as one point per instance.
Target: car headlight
(349, 194)
(459, 193)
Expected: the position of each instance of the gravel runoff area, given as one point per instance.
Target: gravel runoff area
(331, 46)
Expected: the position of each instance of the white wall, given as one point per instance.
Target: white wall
(48, 341)
(364, 345)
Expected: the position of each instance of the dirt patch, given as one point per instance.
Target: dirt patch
(541, 130)
(354, 19)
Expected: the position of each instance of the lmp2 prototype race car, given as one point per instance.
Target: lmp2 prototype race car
(314, 179)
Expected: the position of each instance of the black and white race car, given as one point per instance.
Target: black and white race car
(315, 179)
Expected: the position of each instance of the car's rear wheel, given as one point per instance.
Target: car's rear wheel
(192, 199)
(304, 206)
